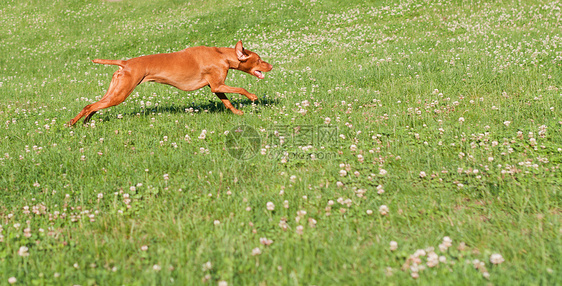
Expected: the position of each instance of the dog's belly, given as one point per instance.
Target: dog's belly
(190, 86)
(180, 82)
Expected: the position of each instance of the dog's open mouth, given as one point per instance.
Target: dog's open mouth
(259, 74)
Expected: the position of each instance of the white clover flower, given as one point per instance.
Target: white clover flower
(203, 134)
(23, 251)
(301, 213)
(432, 259)
(447, 241)
(265, 241)
(360, 158)
(420, 252)
(207, 266)
(270, 206)
(496, 258)
(383, 210)
(393, 245)
(283, 225)
(256, 251)
(312, 222)
(293, 178)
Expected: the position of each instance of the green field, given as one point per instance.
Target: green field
(393, 143)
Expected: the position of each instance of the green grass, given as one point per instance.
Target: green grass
(444, 96)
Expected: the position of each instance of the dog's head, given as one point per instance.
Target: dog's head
(251, 62)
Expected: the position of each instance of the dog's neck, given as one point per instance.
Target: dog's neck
(231, 58)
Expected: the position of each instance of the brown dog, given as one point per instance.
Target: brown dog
(189, 69)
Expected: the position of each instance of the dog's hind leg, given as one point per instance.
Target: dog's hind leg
(122, 84)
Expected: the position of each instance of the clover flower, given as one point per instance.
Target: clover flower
(265, 241)
(207, 266)
(256, 251)
(383, 210)
(203, 134)
(496, 258)
(23, 251)
(270, 206)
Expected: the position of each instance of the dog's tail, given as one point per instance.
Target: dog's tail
(110, 62)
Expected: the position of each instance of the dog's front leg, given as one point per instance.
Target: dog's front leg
(229, 89)
(216, 83)
(227, 103)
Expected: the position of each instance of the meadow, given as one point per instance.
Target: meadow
(393, 143)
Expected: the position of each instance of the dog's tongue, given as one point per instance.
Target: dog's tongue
(259, 74)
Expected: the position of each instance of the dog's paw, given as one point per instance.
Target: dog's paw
(237, 112)
(252, 97)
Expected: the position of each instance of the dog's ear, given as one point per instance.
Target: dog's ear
(240, 53)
